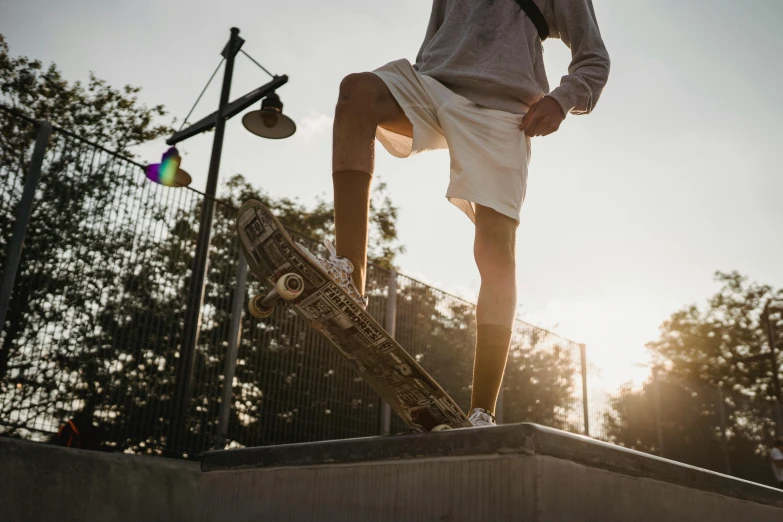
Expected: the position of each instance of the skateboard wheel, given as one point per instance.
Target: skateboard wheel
(441, 427)
(257, 309)
(290, 286)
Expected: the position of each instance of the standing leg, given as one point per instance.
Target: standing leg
(494, 250)
(364, 103)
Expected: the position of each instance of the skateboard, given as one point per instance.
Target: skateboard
(293, 278)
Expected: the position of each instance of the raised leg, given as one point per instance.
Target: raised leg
(494, 250)
(364, 103)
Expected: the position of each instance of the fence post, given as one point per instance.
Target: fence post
(723, 440)
(390, 324)
(14, 255)
(234, 336)
(585, 408)
(657, 399)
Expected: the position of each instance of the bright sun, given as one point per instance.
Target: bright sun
(615, 332)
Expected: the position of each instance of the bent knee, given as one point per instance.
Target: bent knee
(363, 88)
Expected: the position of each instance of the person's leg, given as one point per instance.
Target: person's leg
(364, 103)
(494, 250)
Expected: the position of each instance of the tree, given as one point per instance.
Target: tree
(712, 405)
(95, 111)
(539, 380)
(699, 425)
(707, 344)
(70, 256)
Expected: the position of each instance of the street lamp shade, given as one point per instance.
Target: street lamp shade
(270, 122)
(167, 172)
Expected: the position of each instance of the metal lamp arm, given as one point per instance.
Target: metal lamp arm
(232, 109)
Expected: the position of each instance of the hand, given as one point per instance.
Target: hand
(544, 117)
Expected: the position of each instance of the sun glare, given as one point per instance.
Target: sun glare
(615, 332)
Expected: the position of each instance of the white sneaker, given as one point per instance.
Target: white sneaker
(339, 269)
(481, 418)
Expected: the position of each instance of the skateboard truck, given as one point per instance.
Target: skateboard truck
(287, 288)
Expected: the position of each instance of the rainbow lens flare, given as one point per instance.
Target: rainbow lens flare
(167, 172)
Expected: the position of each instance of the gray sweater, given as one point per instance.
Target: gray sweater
(489, 52)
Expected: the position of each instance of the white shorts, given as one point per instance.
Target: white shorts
(489, 154)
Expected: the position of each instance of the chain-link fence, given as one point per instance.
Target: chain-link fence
(95, 322)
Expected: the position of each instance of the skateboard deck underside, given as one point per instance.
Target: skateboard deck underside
(380, 360)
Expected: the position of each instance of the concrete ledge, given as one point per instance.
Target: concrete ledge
(49, 483)
(521, 439)
(514, 472)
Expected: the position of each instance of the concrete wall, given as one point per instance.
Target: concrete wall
(518, 472)
(574, 492)
(498, 488)
(41, 483)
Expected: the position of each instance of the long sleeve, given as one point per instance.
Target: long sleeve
(574, 22)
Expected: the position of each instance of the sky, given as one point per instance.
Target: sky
(629, 211)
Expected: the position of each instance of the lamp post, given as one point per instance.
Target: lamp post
(269, 122)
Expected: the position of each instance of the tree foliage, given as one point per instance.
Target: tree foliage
(69, 262)
(713, 409)
(96, 111)
(707, 344)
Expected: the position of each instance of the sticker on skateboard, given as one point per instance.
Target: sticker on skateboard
(291, 275)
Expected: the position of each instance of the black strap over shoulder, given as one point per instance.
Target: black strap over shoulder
(536, 16)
